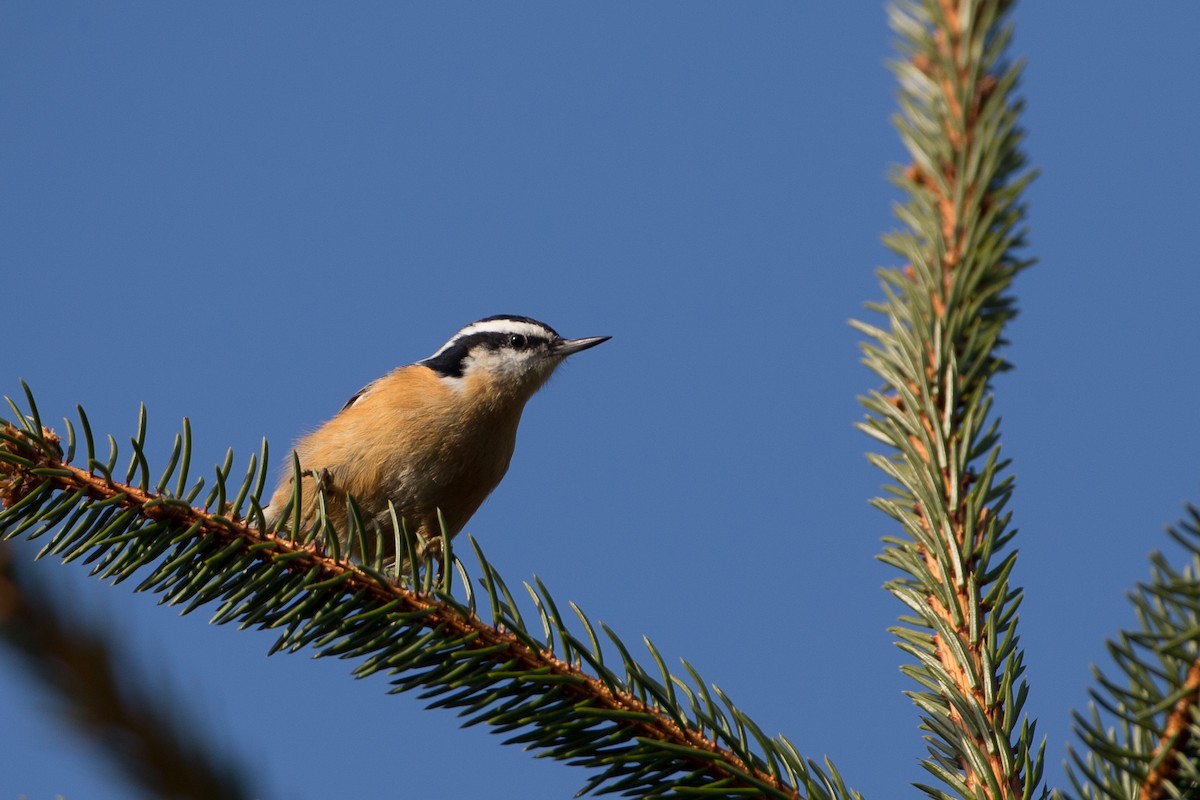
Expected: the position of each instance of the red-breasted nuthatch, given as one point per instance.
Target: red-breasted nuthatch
(434, 435)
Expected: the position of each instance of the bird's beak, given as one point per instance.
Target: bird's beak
(565, 347)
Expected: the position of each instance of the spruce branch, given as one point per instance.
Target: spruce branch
(644, 733)
(945, 314)
(1141, 738)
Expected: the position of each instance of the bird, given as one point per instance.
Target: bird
(431, 438)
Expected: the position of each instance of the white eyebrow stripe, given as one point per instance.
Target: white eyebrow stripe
(496, 326)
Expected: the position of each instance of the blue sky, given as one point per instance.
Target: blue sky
(241, 213)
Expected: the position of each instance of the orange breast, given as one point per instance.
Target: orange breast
(418, 441)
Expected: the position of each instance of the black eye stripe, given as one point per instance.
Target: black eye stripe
(494, 341)
(450, 362)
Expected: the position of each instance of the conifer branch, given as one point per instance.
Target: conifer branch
(946, 311)
(1142, 735)
(1175, 743)
(642, 735)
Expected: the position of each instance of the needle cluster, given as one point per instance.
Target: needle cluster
(566, 688)
(937, 352)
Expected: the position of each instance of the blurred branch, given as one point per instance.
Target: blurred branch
(142, 733)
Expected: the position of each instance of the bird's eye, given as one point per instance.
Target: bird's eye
(517, 341)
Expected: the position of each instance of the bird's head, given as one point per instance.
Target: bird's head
(508, 353)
